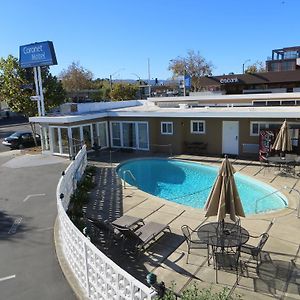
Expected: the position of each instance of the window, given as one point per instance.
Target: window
(256, 127)
(198, 127)
(166, 127)
(129, 134)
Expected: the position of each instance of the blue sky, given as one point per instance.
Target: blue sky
(118, 37)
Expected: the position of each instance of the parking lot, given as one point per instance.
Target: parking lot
(29, 267)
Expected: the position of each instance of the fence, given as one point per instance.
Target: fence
(98, 276)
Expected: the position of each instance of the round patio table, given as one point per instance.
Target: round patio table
(280, 160)
(231, 235)
(286, 165)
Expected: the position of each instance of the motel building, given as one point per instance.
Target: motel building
(207, 124)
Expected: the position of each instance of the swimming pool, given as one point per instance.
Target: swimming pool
(190, 183)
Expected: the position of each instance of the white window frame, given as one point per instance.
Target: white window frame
(259, 123)
(198, 132)
(166, 123)
(136, 135)
(60, 146)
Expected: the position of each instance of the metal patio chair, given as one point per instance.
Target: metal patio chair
(255, 251)
(193, 241)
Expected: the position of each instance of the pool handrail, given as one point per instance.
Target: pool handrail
(124, 177)
(259, 199)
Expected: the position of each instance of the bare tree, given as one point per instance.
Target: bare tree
(194, 65)
(257, 67)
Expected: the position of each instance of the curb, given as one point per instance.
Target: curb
(68, 273)
(13, 124)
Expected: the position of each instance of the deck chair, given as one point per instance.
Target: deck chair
(194, 242)
(226, 260)
(141, 238)
(128, 221)
(124, 221)
(296, 269)
(255, 251)
(102, 225)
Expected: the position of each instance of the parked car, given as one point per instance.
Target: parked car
(21, 139)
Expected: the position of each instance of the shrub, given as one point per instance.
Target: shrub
(193, 292)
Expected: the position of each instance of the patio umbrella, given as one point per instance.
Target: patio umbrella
(224, 197)
(283, 140)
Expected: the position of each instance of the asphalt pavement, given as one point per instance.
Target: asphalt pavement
(29, 267)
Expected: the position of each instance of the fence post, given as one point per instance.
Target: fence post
(86, 270)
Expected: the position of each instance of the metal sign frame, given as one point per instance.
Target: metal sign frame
(37, 55)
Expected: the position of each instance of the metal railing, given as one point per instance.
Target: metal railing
(97, 275)
(124, 178)
(298, 192)
(277, 191)
(266, 196)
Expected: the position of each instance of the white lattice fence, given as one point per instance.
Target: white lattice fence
(99, 276)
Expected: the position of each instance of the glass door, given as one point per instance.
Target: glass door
(96, 136)
(64, 140)
(143, 139)
(55, 140)
(103, 134)
(87, 136)
(116, 134)
(129, 135)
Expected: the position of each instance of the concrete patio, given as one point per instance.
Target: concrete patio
(167, 257)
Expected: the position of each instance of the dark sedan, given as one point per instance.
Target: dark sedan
(21, 139)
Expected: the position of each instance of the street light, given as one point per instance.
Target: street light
(136, 75)
(110, 77)
(244, 65)
(139, 78)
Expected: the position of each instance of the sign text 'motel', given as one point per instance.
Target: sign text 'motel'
(229, 80)
(37, 54)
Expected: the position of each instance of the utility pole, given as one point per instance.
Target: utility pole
(244, 65)
(149, 77)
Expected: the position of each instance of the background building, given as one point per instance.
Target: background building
(285, 59)
(282, 76)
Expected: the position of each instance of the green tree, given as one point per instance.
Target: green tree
(257, 67)
(123, 92)
(103, 87)
(12, 80)
(76, 78)
(193, 64)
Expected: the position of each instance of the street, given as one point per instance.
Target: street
(29, 267)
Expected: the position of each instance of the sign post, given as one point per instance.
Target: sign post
(34, 56)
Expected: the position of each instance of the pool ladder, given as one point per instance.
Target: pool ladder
(124, 177)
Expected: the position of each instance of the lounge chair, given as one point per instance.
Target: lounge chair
(143, 236)
(124, 221)
(128, 221)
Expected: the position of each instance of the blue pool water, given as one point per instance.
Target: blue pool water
(190, 183)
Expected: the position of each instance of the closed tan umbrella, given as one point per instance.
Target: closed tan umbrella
(283, 140)
(224, 197)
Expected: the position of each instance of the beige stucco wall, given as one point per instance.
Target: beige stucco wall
(182, 132)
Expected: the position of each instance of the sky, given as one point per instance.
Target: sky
(118, 38)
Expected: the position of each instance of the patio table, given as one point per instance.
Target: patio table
(232, 235)
(284, 163)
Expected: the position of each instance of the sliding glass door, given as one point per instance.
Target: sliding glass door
(127, 134)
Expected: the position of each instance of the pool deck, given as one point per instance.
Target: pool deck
(167, 257)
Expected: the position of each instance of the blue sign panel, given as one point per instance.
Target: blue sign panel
(187, 81)
(37, 54)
